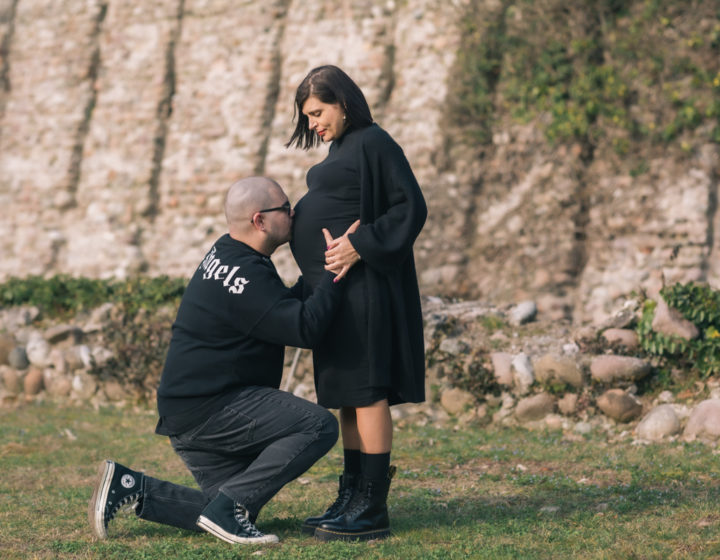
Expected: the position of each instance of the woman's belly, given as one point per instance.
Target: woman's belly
(317, 210)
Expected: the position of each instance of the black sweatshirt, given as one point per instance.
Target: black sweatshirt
(232, 326)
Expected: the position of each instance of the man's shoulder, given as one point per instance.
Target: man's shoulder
(234, 266)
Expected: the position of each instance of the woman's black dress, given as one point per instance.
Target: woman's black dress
(333, 201)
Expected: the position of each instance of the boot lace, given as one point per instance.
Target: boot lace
(359, 501)
(245, 524)
(343, 498)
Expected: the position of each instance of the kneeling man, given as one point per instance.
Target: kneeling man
(240, 436)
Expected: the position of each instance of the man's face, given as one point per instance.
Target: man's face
(278, 223)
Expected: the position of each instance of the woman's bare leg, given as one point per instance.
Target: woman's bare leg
(349, 429)
(367, 428)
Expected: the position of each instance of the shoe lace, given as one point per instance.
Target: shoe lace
(127, 504)
(245, 524)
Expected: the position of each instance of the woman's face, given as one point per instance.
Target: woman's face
(326, 119)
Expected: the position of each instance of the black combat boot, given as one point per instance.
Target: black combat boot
(346, 491)
(365, 517)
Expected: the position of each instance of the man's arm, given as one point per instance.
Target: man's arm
(297, 290)
(302, 324)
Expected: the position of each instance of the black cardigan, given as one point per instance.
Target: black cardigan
(392, 214)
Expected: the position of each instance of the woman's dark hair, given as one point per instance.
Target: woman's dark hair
(330, 85)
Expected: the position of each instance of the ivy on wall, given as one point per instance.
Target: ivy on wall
(624, 71)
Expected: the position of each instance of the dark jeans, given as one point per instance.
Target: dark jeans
(249, 450)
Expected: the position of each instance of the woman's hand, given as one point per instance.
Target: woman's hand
(340, 255)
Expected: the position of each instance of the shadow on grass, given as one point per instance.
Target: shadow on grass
(423, 509)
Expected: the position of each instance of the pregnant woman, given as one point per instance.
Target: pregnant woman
(373, 354)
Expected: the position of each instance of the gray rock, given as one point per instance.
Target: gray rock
(535, 407)
(481, 411)
(555, 422)
(620, 319)
(397, 413)
(550, 509)
(15, 318)
(57, 360)
(501, 415)
(568, 404)
(114, 391)
(704, 421)
(454, 346)
(60, 386)
(103, 313)
(75, 359)
(610, 368)
(550, 368)
(12, 380)
(623, 337)
(33, 382)
(618, 405)
(18, 359)
(85, 356)
(101, 356)
(84, 386)
(659, 423)
(670, 322)
(523, 376)
(502, 368)
(507, 401)
(7, 343)
(304, 391)
(583, 428)
(59, 333)
(523, 312)
(455, 400)
(38, 350)
(585, 335)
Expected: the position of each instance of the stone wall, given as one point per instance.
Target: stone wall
(122, 123)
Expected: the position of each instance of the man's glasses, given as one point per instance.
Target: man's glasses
(285, 208)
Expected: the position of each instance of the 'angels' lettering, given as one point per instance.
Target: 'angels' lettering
(215, 270)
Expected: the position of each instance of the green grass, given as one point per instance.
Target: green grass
(471, 493)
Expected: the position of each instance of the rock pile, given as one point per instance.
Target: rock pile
(505, 366)
(58, 360)
(549, 375)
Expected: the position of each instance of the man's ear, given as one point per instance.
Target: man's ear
(258, 221)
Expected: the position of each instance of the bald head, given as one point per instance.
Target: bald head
(264, 231)
(246, 196)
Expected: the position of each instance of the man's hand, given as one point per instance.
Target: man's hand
(340, 255)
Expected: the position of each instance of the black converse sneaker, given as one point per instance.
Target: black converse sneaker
(116, 487)
(230, 522)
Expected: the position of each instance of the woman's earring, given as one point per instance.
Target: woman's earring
(344, 117)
